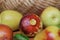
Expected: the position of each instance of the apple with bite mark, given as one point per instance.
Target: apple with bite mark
(11, 18)
(51, 16)
(5, 32)
(31, 24)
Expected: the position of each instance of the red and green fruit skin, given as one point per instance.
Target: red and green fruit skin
(31, 28)
(5, 32)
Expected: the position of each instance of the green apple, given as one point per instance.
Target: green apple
(51, 16)
(11, 18)
(50, 33)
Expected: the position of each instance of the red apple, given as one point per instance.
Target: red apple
(59, 33)
(50, 33)
(31, 24)
(5, 32)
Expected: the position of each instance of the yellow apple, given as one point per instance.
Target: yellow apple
(11, 18)
(50, 33)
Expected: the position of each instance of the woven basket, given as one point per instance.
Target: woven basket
(27, 6)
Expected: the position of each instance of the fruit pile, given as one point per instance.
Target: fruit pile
(51, 19)
(43, 27)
